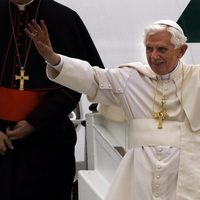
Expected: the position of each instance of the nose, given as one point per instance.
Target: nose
(155, 54)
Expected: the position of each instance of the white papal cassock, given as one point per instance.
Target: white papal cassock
(161, 164)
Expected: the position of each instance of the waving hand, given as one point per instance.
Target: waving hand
(40, 36)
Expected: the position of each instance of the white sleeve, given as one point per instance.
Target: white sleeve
(100, 85)
(73, 73)
(59, 66)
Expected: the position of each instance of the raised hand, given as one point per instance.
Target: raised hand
(40, 36)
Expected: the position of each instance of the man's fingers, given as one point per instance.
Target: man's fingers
(8, 143)
(2, 148)
(43, 26)
(36, 26)
(5, 143)
(12, 133)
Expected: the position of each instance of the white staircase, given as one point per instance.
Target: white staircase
(106, 143)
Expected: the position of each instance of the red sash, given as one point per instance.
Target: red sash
(16, 105)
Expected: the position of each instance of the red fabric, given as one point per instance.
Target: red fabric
(15, 105)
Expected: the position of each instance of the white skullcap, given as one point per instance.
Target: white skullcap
(171, 23)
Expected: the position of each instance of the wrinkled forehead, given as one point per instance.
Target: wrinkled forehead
(159, 39)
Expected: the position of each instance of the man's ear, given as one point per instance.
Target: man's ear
(182, 50)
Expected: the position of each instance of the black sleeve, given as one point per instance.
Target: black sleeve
(58, 105)
(91, 53)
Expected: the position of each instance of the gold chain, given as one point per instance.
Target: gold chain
(15, 39)
(154, 98)
(162, 113)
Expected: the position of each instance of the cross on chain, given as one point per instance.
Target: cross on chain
(161, 115)
(22, 78)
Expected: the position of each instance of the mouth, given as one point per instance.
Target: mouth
(157, 64)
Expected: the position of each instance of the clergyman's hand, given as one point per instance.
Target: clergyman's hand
(40, 36)
(20, 130)
(5, 143)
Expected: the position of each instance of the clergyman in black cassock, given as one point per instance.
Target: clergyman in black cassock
(42, 163)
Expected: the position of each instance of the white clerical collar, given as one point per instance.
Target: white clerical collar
(21, 7)
(167, 76)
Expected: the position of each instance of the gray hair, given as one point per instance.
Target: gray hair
(178, 38)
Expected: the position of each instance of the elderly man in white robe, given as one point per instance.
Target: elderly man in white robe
(161, 102)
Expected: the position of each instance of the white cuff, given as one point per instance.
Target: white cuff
(59, 66)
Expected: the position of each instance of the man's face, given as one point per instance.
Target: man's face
(161, 53)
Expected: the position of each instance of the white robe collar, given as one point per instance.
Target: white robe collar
(147, 71)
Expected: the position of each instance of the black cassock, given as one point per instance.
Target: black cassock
(42, 165)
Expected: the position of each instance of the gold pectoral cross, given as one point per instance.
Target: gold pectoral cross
(22, 78)
(161, 115)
